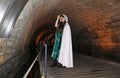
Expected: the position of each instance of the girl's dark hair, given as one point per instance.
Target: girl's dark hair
(61, 15)
(59, 19)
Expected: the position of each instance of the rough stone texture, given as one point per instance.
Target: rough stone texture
(13, 50)
(92, 21)
(9, 69)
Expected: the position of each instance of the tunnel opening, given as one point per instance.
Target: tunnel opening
(43, 34)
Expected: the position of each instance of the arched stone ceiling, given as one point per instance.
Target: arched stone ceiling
(97, 20)
(95, 16)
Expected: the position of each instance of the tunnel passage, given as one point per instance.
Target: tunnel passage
(44, 34)
(94, 25)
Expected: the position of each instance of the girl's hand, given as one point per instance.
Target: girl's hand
(56, 23)
(58, 16)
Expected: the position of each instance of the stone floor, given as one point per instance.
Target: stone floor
(85, 67)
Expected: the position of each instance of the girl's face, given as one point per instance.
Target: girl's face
(62, 19)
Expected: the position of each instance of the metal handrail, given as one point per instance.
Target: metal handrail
(44, 73)
(26, 74)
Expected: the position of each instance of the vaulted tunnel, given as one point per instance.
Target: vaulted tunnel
(94, 26)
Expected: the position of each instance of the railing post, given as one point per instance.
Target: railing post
(93, 49)
(45, 69)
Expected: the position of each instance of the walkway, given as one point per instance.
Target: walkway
(85, 67)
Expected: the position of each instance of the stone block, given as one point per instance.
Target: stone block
(1, 58)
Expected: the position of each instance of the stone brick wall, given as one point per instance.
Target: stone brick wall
(100, 20)
(96, 20)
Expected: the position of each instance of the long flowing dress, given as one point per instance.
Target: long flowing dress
(56, 48)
